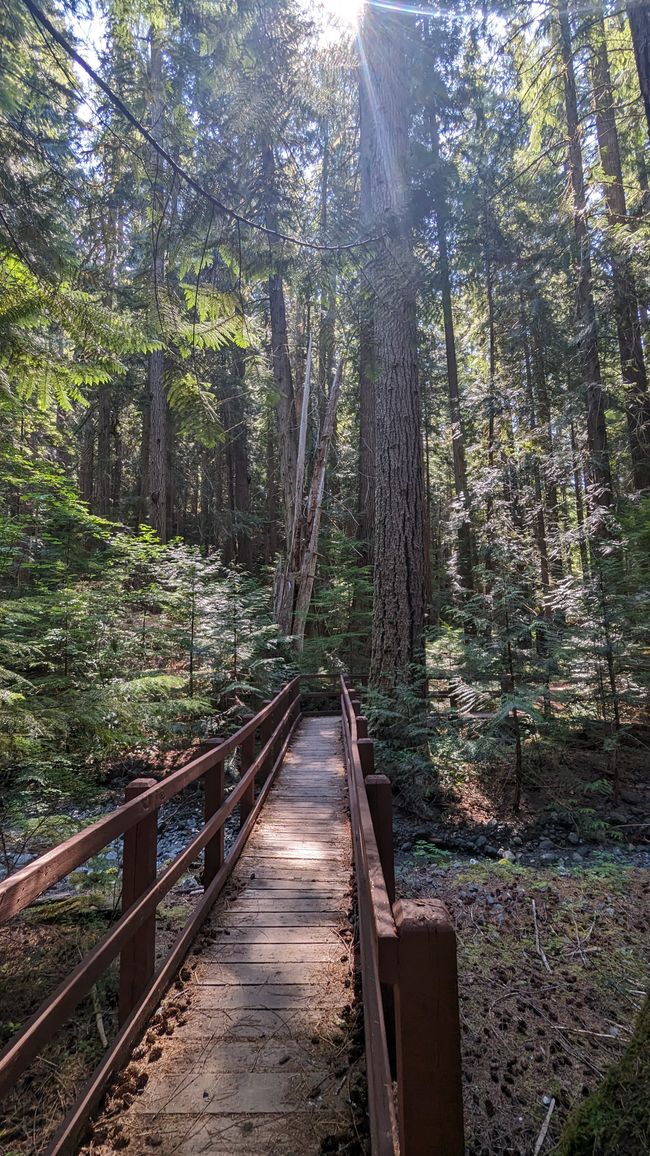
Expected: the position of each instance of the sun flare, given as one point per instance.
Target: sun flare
(345, 13)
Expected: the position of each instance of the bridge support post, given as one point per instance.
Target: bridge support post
(138, 956)
(213, 796)
(247, 758)
(430, 1101)
(366, 749)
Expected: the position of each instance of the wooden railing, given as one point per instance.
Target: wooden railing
(261, 743)
(408, 973)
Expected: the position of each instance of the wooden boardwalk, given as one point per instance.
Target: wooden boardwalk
(251, 1054)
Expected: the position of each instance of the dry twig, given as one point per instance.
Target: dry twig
(540, 950)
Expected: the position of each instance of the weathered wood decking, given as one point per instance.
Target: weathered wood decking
(247, 1057)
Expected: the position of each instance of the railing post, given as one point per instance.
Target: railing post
(213, 796)
(362, 726)
(366, 748)
(430, 1101)
(355, 703)
(380, 801)
(246, 759)
(138, 956)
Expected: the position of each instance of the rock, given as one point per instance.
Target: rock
(490, 900)
(518, 842)
(573, 838)
(629, 795)
(480, 842)
(491, 824)
(491, 850)
(545, 844)
(507, 855)
(577, 857)
(549, 857)
(554, 816)
(406, 847)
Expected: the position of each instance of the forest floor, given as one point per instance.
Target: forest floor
(551, 909)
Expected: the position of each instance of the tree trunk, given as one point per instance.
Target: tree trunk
(305, 578)
(157, 480)
(599, 468)
(282, 375)
(638, 12)
(366, 480)
(465, 566)
(628, 324)
(398, 606)
(87, 460)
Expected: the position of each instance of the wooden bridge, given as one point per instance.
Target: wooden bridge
(247, 1059)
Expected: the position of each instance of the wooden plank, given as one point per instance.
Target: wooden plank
(299, 933)
(297, 904)
(267, 996)
(226, 974)
(287, 918)
(249, 1092)
(300, 952)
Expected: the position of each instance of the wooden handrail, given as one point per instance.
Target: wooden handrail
(25, 885)
(378, 943)
(281, 714)
(408, 970)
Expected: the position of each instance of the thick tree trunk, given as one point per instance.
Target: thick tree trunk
(628, 324)
(157, 480)
(638, 12)
(600, 487)
(398, 609)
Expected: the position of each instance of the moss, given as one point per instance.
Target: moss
(615, 1119)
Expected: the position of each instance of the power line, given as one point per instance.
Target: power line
(41, 19)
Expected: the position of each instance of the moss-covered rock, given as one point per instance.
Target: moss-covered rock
(615, 1119)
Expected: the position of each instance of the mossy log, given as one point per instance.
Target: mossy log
(615, 1119)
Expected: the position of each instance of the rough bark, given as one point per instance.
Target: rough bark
(626, 306)
(638, 12)
(398, 606)
(600, 480)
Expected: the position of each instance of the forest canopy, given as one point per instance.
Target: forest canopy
(323, 346)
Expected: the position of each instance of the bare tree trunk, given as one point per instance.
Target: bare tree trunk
(465, 564)
(628, 323)
(367, 374)
(638, 12)
(87, 460)
(599, 466)
(307, 574)
(398, 609)
(282, 375)
(158, 427)
(271, 491)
